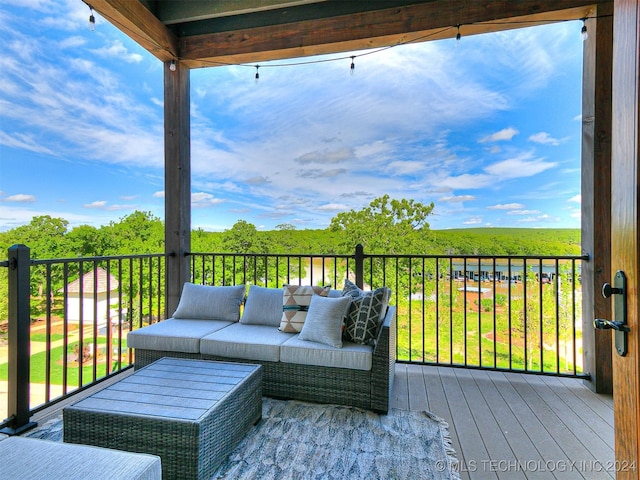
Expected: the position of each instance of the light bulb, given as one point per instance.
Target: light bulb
(257, 74)
(458, 36)
(172, 66)
(583, 32)
(353, 66)
(92, 21)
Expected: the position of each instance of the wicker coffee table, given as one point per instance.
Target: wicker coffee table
(192, 413)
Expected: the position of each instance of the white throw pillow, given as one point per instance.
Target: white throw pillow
(325, 319)
(263, 306)
(203, 302)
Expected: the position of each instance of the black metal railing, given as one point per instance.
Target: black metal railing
(70, 320)
(511, 313)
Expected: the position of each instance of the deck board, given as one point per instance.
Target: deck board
(510, 425)
(542, 422)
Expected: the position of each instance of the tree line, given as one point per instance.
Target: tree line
(385, 226)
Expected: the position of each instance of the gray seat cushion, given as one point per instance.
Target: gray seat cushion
(174, 334)
(249, 342)
(303, 352)
(30, 458)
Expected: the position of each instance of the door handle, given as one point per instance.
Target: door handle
(602, 324)
(619, 325)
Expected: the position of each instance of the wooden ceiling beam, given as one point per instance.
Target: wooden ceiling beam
(419, 22)
(140, 24)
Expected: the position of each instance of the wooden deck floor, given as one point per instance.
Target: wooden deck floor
(502, 425)
(514, 426)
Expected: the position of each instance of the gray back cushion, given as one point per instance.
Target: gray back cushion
(202, 302)
(263, 306)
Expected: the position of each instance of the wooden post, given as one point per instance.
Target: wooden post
(19, 346)
(596, 195)
(177, 188)
(359, 265)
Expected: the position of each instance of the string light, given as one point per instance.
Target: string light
(172, 65)
(92, 19)
(583, 32)
(458, 36)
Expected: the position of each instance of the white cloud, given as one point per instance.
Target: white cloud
(457, 198)
(158, 194)
(505, 134)
(333, 207)
(20, 198)
(467, 181)
(518, 167)
(119, 51)
(72, 42)
(203, 200)
(259, 180)
(326, 156)
(96, 204)
(473, 221)
(23, 142)
(506, 206)
(523, 212)
(544, 138)
(406, 167)
(576, 199)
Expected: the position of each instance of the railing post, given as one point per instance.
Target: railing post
(19, 348)
(359, 257)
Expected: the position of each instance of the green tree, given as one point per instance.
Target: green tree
(44, 236)
(243, 237)
(386, 226)
(85, 241)
(137, 233)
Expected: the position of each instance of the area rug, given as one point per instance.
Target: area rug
(298, 440)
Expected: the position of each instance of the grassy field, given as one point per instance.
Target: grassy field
(490, 333)
(57, 371)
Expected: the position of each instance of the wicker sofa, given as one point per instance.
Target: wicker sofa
(354, 374)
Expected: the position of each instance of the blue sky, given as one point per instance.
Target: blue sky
(487, 128)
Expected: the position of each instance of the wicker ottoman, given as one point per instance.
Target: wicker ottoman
(191, 413)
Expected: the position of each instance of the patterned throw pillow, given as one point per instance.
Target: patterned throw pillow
(365, 314)
(295, 304)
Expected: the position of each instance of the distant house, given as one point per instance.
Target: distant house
(91, 302)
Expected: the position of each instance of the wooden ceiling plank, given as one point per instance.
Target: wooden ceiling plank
(141, 25)
(374, 29)
(176, 11)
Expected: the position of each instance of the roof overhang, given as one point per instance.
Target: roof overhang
(203, 33)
